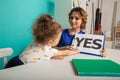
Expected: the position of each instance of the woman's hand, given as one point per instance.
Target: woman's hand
(104, 53)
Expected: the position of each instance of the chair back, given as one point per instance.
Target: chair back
(4, 52)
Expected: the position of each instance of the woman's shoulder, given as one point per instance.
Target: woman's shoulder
(81, 32)
(65, 31)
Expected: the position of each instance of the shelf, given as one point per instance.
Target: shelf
(117, 36)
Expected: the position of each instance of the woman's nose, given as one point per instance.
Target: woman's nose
(73, 20)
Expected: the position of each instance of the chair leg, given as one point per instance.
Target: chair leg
(5, 60)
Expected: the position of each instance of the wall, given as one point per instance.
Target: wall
(16, 20)
(62, 8)
(107, 17)
(67, 5)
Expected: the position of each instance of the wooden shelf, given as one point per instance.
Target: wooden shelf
(117, 36)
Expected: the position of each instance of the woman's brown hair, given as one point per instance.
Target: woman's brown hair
(83, 15)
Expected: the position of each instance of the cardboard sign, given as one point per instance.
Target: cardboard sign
(87, 43)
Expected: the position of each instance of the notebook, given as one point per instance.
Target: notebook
(89, 44)
(96, 67)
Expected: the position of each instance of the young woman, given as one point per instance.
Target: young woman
(77, 20)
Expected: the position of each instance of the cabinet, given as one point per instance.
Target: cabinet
(117, 37)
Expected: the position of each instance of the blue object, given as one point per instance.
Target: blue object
(66, 38)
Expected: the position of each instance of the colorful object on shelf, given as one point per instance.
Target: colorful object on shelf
(78, 3)
(73, 3)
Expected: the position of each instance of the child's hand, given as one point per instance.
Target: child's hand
(73, 51)
(104, 53)
(70, 48)
(66, 52)
(58, 57)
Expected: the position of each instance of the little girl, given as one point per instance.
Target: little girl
(47, 33)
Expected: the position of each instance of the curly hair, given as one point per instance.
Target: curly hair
(83, 15)
(46, 28)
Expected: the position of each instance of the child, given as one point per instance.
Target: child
(47, 33)
(77, 20)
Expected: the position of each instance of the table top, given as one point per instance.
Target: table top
(56, 69)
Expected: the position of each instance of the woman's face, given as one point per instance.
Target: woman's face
(75, 20)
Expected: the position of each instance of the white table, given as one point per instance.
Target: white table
(56, 69)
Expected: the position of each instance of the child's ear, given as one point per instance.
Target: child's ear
(50, 42)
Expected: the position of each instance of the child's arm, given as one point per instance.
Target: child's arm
(66, 52)
(57, 57)
(64, 48)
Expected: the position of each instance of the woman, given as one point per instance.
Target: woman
(77, 20)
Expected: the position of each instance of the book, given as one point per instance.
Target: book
(96, 67)
(89, 44)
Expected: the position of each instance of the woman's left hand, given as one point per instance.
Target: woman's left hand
(104, 53)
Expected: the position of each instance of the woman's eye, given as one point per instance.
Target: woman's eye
(77, 18)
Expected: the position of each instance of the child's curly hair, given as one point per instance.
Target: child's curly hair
(46, 28)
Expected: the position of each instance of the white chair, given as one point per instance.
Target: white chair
(4, 52)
